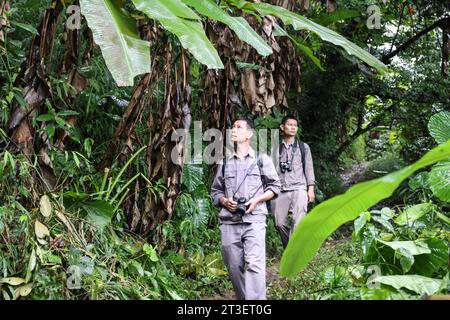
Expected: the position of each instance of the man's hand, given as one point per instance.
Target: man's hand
(228, 203)
(311, 194)
(252, 203)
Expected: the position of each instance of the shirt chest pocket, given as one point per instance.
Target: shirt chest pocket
(254, 178)
(230, 181)
(297, 162)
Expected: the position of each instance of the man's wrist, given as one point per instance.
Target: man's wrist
(265, 196)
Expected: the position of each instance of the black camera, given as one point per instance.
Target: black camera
(286, 166)
(240, 209)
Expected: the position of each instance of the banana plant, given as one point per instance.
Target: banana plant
(183, 22)
(239, 25)
(299, 22)
(127, 56)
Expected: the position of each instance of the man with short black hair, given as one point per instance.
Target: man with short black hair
(239, 190)
(295, 168)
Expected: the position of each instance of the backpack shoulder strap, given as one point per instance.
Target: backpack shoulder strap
(259, 160)
(223, 166)
(260, 166)
(303, 154)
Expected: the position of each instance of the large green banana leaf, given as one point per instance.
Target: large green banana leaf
(299, 22)
(439, 177)
(439, 126)
(180, 20)
(324, 219)
(418, 284)
(439, 180)
(239, 25)
(413, 213)
(126, 55)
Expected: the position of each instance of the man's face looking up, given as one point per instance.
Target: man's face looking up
(241, 132)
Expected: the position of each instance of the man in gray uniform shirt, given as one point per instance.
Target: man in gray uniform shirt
(297, 180)
(242, 185)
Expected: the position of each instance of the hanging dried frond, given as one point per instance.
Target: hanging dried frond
(33, 78)
(250, 80)
(124, 140)
(165, 155)
(4, 8)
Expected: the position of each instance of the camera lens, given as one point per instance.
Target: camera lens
(241, 207)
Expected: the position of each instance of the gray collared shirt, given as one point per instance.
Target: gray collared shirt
(227, 184)
(295, 179)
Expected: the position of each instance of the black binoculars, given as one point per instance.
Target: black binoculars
(286, 166)
(240, 209)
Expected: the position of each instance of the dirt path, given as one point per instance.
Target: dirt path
(309, 281)
(353, 175)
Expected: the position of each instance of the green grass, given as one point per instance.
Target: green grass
(311, 284)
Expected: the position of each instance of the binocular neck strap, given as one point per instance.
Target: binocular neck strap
(293, 147)
(254, 193)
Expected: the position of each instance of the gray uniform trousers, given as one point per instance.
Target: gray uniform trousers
(244, 253)
(296, 202)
